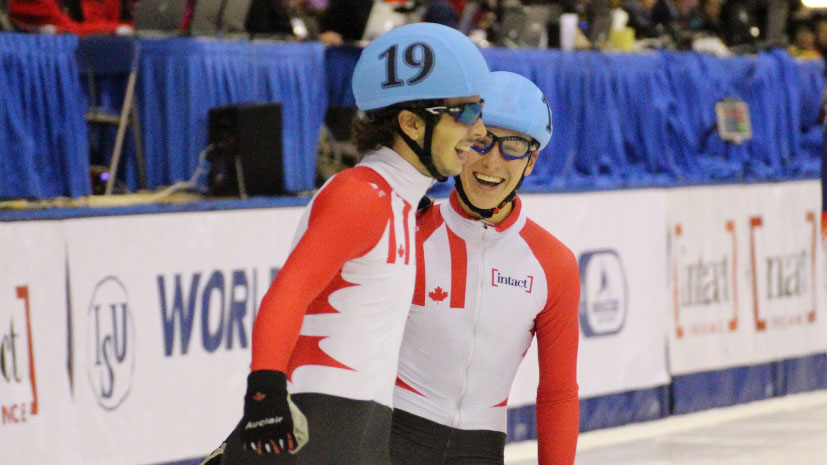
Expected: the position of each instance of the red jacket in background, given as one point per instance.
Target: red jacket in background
(101, 16)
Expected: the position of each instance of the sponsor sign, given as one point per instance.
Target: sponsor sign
(744, 267)
(621, 312)
(603, 293)
(35, 400)
(162, 325)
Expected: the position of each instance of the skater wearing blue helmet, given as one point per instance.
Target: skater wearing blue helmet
(326, 339)
(507, 280)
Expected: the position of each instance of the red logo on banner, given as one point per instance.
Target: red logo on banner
(15, 356)
(785, 276)
(702, 282)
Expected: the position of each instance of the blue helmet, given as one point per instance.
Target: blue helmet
(514, 102)
(418, 61)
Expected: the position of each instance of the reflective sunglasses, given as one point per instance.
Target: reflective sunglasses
(463, 113)
(511, 147)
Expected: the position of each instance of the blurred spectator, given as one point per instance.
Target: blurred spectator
(344, 21)
(5, 24)
(640, 17)
(444, 12)
(819, 24)
(98, 16)
(708, 22)
(675, 17)
(803, 41)
(741, 22)
(594, 22)
(268, 17)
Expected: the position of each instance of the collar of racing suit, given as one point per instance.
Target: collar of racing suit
(509, 221)
(402, 176)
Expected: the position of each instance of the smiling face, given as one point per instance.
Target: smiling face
(488, 178)
(452, 140)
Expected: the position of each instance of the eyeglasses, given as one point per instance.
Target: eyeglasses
(463, 113)
(511, 147)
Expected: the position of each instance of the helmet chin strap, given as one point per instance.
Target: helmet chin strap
(424, 153)
(488, 212)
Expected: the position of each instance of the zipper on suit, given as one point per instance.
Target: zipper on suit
(469, 354)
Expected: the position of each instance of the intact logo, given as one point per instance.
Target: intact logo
(498, 279)
(783, 273)
(110, 343)
(18, 387)
(603, 293)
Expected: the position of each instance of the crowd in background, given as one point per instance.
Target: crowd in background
(718, 26)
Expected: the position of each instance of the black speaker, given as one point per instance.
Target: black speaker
(247, 145)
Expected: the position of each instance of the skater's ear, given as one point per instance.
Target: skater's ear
(411, 124)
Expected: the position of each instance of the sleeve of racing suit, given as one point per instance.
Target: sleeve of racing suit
(558, 411)
(347, 219)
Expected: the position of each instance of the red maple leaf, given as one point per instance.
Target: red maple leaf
(259, 396)
(400, 251)
(438, 295)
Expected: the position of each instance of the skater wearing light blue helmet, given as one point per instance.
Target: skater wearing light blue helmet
(518, 121)
(465, 338)
(326, 336)
(419, 87)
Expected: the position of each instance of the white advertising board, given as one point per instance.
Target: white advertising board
(38, 424)
(162, 326)
(746, 274)
(620, 243)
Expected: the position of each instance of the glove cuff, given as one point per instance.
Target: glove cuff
(271, 381)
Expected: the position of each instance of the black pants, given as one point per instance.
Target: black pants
(417, 441)
(342, 432)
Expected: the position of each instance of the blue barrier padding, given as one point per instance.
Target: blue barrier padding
(598, 412)
(104, 63)
(339, 64)
(803, 374)
(149, 209)
(712, 389)
(181, 79)
(522, 423)
(620, 120)
(645, 120)
(43, 147)
(626, 407)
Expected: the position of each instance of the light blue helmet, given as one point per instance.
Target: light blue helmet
(418, 61)
(514, 102)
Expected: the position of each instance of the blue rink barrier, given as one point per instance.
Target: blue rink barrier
(688, 393)
(620, 120)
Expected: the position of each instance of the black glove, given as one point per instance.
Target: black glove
(271, 423)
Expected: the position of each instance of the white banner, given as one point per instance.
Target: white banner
(162, 324)
(137, 351)
(745, 272)
(620, 243)
(37, 425)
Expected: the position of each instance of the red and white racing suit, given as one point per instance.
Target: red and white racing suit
(334, 316)
(482, 292)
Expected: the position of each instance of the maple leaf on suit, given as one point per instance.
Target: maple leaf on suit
(438, 295)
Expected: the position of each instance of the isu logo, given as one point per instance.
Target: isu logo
(498, 279)
(110, 340)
